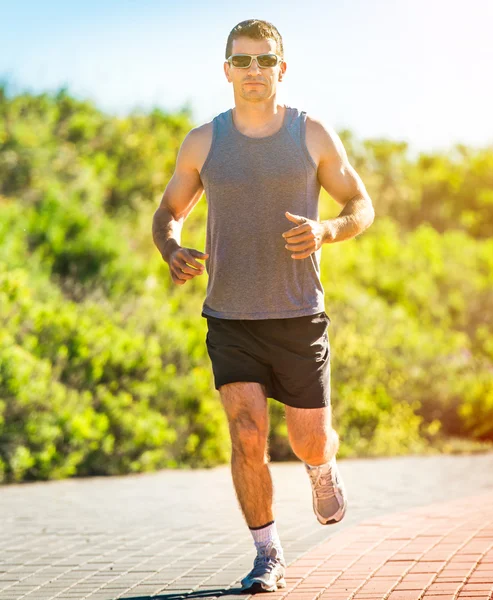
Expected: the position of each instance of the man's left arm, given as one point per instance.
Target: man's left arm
(338, 177)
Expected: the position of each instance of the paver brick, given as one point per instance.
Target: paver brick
(452, 574)
(183, 531)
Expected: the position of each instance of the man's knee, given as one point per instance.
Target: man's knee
(249, 437)
(316, 449)
(248, 417)
(311, 452)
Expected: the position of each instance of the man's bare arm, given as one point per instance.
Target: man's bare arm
(341, 181)
(182, 193)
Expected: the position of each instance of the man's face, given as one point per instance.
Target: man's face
(255, 83)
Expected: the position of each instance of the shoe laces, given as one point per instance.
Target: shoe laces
(265, 560)
(323, 484)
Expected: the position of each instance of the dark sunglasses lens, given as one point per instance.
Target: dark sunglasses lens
(267, 60)
(240, 61)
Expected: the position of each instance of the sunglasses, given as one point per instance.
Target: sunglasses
(243, 61)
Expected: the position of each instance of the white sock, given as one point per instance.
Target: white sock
(266, 534)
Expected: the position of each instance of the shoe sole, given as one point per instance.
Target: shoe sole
(330, 521)
(258, 586)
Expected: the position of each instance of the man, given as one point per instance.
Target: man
(261, 166)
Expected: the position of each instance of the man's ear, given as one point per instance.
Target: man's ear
(282, 70)
(226, 70)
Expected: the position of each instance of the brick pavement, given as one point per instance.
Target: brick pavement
(439, 552)
(180, 534)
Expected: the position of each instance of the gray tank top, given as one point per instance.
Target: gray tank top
(249, 183)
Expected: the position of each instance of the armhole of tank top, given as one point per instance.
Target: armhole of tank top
(303, 140)
(209, 154)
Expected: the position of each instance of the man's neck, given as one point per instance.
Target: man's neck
(258, 120)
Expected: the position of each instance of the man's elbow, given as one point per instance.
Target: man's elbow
(166, 213)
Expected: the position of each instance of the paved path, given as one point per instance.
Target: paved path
(443, 551)
(180, 534)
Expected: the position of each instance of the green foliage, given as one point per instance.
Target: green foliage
(87, 390)
(103, 363)
(449, 190)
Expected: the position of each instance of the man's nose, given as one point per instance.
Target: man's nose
(252, 67)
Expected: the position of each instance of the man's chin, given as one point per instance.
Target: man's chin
(254, 92)
(254, 97)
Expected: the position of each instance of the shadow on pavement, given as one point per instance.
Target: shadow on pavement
(212, 593)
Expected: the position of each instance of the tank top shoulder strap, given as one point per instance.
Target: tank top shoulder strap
(222, 124)
(293, 124)
(297, 128)
(220, 131)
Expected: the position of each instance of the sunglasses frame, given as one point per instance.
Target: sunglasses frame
(254, 56)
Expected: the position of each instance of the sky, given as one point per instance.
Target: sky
(413, 70)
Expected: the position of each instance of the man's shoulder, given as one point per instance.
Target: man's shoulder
(198, 142)
(319, 125)
(201, 131)
(206, 128)
(322, 135)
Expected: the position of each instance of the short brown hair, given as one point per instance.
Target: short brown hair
(257, 30)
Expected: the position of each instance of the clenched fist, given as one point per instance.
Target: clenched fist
(183, 264)
(307, 237)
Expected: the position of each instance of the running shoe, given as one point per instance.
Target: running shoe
(329, 494)
(268, 571)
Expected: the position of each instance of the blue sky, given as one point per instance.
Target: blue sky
(414, 70)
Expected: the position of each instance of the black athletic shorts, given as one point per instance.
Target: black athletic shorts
(291, 356)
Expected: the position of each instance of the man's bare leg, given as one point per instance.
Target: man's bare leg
(246, 407)
(248, 417)
(311, 435)
(316, 443)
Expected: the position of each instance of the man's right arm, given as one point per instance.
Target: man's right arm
(182, 193)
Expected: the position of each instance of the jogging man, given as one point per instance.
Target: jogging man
(261, 166)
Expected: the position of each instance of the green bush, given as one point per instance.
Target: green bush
(84, 391)
(103, 363)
